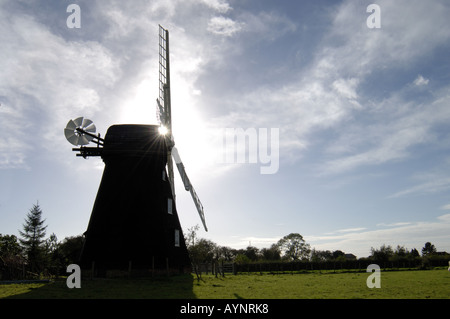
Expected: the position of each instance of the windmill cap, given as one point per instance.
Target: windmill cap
(134, 139)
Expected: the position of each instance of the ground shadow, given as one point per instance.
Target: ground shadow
(158, 287)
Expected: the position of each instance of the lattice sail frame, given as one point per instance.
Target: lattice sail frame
(164, 112)
(163, 109)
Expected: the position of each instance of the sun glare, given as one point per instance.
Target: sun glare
(162, 130)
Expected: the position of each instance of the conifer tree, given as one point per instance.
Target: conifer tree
(32, 239)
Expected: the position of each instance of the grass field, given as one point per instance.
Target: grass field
(423, 284)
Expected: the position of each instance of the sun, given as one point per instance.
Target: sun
(163, 130)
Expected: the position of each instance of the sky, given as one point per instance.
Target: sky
(350, 118)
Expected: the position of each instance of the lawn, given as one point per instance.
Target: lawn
(419, 284)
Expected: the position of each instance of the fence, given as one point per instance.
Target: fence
(302, 266)
(215, 268)
(22, 272)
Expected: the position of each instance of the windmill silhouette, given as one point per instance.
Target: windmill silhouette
(134, 221)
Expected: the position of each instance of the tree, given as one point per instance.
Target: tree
(9, 246)
(200, 250)
(272, 253)
(51, 244)
(32, 239)
(52, 254)
(414, 253)
(70, 250)
(62, 254)
(338, 254)
(11, 259)
(204, 250)
(191, 235)
(428, 249)
(226, 253)
(241, 259)
(294, 247)
(252, 253)
(383, 254)
(321, 255)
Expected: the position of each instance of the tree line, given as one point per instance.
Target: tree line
(293, 248)
(33, 255)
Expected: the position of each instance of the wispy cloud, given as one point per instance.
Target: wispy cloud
(218, 5)
(50, 76)
(438, 185)
(224, 26)
(267, 26)
(45, 81)
(329, 94)
(434, 181)
(394, 123)
(350, 230)
(394, 224)
(420, 81)
(408, 234)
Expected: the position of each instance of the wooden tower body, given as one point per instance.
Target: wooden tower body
(134, 221)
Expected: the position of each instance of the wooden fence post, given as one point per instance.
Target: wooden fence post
(93, 270)
(167, 266)
(153, 266)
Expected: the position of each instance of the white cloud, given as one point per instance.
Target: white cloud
(267, 26)
(394, 224)
(421, 81)
(432, 184)
(346, 88)
(346, 230)
(391, 145)
(444, 218)
(257, 241)
(218, 5)
(224, 26)
(350, 230)
(13, 132)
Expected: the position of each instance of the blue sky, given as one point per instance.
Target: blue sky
(364, 144)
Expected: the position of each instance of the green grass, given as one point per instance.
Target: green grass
(424, 284)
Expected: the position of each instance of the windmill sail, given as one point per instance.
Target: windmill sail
(164, 115)
(188, 186)
(164, 111)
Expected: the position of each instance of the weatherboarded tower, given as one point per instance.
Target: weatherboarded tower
(134, 222)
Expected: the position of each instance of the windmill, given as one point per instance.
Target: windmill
(134, 222)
